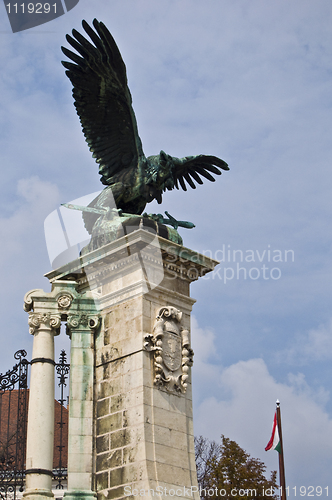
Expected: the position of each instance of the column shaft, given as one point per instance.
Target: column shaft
(40, 432)
(80, 444)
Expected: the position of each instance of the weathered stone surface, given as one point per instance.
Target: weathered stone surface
(147, 427)
(120, 438)
(144, 432)
(109, 460)
(102, 481)
(109, 423)
(103, 407)
(103, 443)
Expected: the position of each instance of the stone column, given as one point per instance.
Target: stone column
(40, 433)
(80, 328)
(46, 311)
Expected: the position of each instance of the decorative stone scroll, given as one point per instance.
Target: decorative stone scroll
(172, 352)
(81, 320)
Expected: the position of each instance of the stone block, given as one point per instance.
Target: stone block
(135, 452)
(109, 423)
(167, 455)
(99, 373)
(103, 407)
(78, 479)
(81, 340)
(178, 403)
(82, 389)
(179, 440)
(102, 481)
(161, 435)
(160, 399)
(133, 362)
(151, 470)
(120, 438)
(102, 443)
(147, 361)
(109, 388)
(132, 379)
(123, 475)
(147, 325)
(80, 462)
(108, 460)
(107, 336)
(124, 401)
(117, 403)
(81, 443)
(80, 426)
(76, 409)
(177, 475)
(172, 420)
(116, 493)
(137, 415)
(123, 437)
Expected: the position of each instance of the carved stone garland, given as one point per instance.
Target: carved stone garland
(172, 352)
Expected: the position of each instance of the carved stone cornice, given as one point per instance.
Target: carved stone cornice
(47, 320)
(63, 303)
(171, 349)
(142, 247)
(59, 300)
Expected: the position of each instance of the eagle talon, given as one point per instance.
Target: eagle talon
(171, 221)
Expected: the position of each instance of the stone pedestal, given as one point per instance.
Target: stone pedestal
(144, 438)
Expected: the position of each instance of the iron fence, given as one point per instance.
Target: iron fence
(14, 396)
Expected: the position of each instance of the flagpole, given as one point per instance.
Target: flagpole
(281, 456)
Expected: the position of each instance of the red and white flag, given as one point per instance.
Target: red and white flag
(274, 443)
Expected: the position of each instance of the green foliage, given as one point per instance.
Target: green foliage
(227, 471)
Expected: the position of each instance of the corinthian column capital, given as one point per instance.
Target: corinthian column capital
(46, 319)
(82, 321)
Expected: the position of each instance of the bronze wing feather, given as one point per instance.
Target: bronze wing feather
(103, 100)
(193, 168)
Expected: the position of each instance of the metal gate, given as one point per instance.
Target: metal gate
(13, 426)
(14, 396)
(61, 425)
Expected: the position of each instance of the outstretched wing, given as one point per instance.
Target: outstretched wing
(193, 168)
(103, 100)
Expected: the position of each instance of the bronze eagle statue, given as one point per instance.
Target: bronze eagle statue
(104, 105)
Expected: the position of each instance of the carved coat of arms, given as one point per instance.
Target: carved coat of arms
(172, 353)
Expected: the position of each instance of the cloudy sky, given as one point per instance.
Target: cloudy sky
(250, 82)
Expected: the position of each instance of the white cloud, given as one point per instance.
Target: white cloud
(35, 200)
(315, 345)
(23, 253)
(242, 407)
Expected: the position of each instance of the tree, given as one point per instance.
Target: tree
(227, 471)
